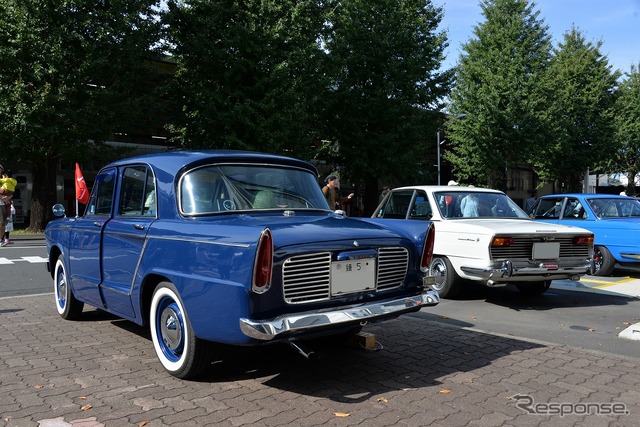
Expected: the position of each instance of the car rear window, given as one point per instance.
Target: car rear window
(223, 188)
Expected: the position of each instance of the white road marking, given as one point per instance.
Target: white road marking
(29, 259)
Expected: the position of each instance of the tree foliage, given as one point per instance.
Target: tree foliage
(70, 71)
(246, 73)
(627, 128)
(383, 82)
(582, 86)
(498, 89)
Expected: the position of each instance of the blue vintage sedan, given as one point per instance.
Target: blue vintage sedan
(614, 220)
(231, 247)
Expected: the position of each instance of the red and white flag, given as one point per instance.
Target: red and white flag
(82, 193)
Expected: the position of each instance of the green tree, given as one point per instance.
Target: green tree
(382, 61)
(498, 88)
(627, 128)
(582, 87)
(247, 73)
(70, 71)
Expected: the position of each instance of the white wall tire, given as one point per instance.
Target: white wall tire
(68, 306)
(181, 353)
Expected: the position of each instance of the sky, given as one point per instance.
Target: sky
(615, 22)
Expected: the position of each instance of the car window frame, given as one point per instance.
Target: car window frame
(101, 192)
(148, 199)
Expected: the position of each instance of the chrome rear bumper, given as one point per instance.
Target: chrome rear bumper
(508, 272)
(280, 326)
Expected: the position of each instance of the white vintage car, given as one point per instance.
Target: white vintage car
(483, 236)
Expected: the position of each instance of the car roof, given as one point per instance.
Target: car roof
(588, 195)
(174, 161)
(448, 188)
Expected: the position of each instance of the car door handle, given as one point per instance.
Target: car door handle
(138, 226)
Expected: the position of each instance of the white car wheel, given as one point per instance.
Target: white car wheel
(68, 306)
(447, 281)
(181, 353)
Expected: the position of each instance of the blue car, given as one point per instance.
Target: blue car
(613, 219)
(231, 247)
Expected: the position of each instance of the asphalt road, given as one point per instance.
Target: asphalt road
(23, 268)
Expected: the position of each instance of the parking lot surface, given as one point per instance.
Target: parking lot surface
(102, 371)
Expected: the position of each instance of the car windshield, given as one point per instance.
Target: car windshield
(476, 204)
(222, 188)
(615, 207)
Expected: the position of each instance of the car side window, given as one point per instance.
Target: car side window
(101, 199)
(549, 208)
(397, 205)
(137, 195)
(421, 208)
(574, 210)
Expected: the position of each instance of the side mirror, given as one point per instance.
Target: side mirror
(58, 210)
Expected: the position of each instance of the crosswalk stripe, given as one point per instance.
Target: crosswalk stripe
(29, 259)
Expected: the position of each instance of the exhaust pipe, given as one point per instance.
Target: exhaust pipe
(303, 350)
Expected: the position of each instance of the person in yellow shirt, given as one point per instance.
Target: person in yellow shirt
(7, 188)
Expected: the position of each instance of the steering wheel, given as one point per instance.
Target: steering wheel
(229, 205)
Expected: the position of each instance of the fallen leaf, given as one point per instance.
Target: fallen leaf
(444, 317)
(86, 407)
(591, 330)
(627, 323)
(341, 414)
(445, 391)
(38, 386)
(143, 423)
(82, 397)
(383, 399)
(474, 318)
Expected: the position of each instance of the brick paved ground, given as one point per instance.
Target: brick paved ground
(102, 371)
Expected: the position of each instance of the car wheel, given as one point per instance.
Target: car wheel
(534, 288)
(181, 353)
(68, 306)
(447, 280)
(603, 260)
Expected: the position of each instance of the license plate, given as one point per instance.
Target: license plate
(547, 250)
(353, 276)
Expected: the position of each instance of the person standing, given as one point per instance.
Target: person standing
(7, 188)
(330, 191)
(469, 206)
(528, 204)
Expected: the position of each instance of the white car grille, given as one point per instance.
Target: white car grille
(307, 278)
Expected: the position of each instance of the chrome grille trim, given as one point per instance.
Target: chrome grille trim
(522, 248)
(307, 278)
(393, 264)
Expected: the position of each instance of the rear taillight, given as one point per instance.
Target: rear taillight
(502, 241)
(427, 249)
(583, 240)
(264, 263)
